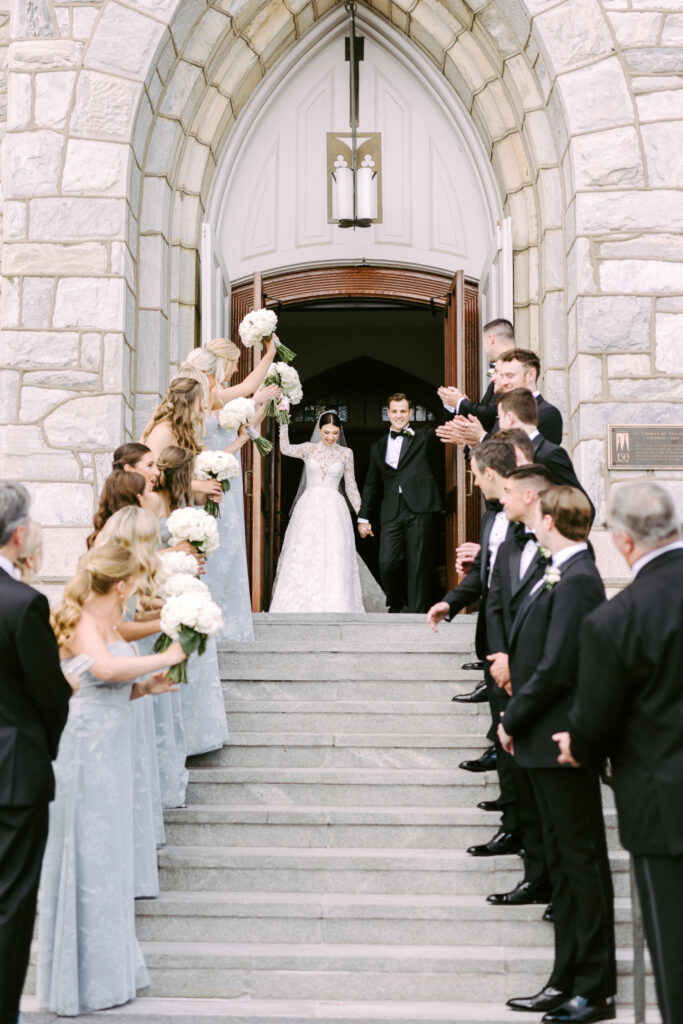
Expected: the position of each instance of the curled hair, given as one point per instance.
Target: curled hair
(175, 465)
(329, 419)
(178, 407)
(138, 530)
(570, 510)
(98, 571)
(129, 454)
(120, 489)
(496, 455)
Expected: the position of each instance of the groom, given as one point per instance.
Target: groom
(400, 482)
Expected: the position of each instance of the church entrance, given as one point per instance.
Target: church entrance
(361, 333)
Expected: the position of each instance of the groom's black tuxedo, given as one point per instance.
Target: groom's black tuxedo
(407, 499)
(544, 658)
(34, 702)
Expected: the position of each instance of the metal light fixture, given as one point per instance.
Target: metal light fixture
(353, 170)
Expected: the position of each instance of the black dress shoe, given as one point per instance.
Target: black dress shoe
(474, 666)
(476, 696)
(580, 1010)
(502, 842)
(549, 914)
(547, 999)
(485, 763)
(489, 805)
(525, 892)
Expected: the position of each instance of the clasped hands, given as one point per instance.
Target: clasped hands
(365, 530)
(461, 430)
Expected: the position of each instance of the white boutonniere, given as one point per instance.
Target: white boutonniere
(544, 553)
(490, 372)
(551, 576)
(409, 431)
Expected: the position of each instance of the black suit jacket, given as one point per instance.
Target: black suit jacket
(486, 411)
(34, 696)
(474, 587)
(557, 462)
(549, 422)
(544, 660)
(629, 704)
(413, 475)
(508, 591)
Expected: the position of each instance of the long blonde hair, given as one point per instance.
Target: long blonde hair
(31, 557)
(214, 358)
(98, 571)
(178, 408)
(138, 530)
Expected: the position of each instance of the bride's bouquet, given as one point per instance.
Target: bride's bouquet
(188, 616)
(287, 379)
(196, 526)
(259, 325)
(221, 466)
(238, 413)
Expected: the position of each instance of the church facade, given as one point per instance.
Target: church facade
(159, 155)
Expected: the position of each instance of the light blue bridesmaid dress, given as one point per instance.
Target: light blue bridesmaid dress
(88, 955)
(206, 726)
(148, 817)
(227, 573)
(169, 728)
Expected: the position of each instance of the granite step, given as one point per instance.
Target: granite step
(254, 917)
(443, 828)
(422, 717)
(369, 690)
(350, 660)
(334, 627)
(329, 870)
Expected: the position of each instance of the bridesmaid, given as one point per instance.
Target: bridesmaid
(88, 955)
(138, 531)
(227, 572)
(118, 491)
(134, 457)
(203, 709)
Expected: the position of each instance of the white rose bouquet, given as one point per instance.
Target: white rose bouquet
(196, 526)
(188, 616)
(221, 466)
(289, 383)
(259, 325)
(239, 413)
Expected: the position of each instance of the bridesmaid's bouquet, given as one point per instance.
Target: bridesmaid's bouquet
(196, 526)
(172, 563)
(287, 379)
(221, 466)
(239, 413)
(188, 616)
(259, 325)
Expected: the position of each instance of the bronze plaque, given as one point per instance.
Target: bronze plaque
(645, 446)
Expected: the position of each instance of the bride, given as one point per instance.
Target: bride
(319, 570)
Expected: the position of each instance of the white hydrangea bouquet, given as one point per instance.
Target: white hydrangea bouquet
(196, 526)
(287, 379)
(259, 325)
(221, 466)
(172, 563)
(188, 616)
(238, 413)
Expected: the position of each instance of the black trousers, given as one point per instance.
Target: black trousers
(583, 898)
(406, 558)
(23, 834)
(660, 887)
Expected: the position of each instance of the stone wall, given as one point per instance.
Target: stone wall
(119, 111)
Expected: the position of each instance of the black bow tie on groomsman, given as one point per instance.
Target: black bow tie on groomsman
(398, 433)
(523, 536)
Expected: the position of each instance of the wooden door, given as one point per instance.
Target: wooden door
(462, 368)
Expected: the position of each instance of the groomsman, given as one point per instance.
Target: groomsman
(401, 486)
(544, 676)
(491, 462)
(34, 702)
(499, 336)
(517, 409)
(629, 707)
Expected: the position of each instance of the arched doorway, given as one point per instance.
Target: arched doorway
(454, 306)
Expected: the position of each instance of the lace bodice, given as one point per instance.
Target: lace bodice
(325, 465)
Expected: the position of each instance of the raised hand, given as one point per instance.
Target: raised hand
(210, 488)
(264, 395)
(449, 395)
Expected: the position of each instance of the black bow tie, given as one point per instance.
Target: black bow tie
(397, 433)
(521, 536)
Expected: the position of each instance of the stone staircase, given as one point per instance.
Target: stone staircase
(319, 872)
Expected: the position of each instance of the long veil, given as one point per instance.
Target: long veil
(315, 438)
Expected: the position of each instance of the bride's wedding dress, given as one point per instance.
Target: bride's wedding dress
(318, 569)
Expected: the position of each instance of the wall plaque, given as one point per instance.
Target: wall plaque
(645, 446)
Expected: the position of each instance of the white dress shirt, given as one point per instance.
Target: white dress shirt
(496, 538)
(677, 545)
(528, 552)
(9, 568)
(565, 554)
(393, 454)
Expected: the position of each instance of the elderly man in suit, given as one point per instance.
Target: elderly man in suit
(629, 707)
(34, 703)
